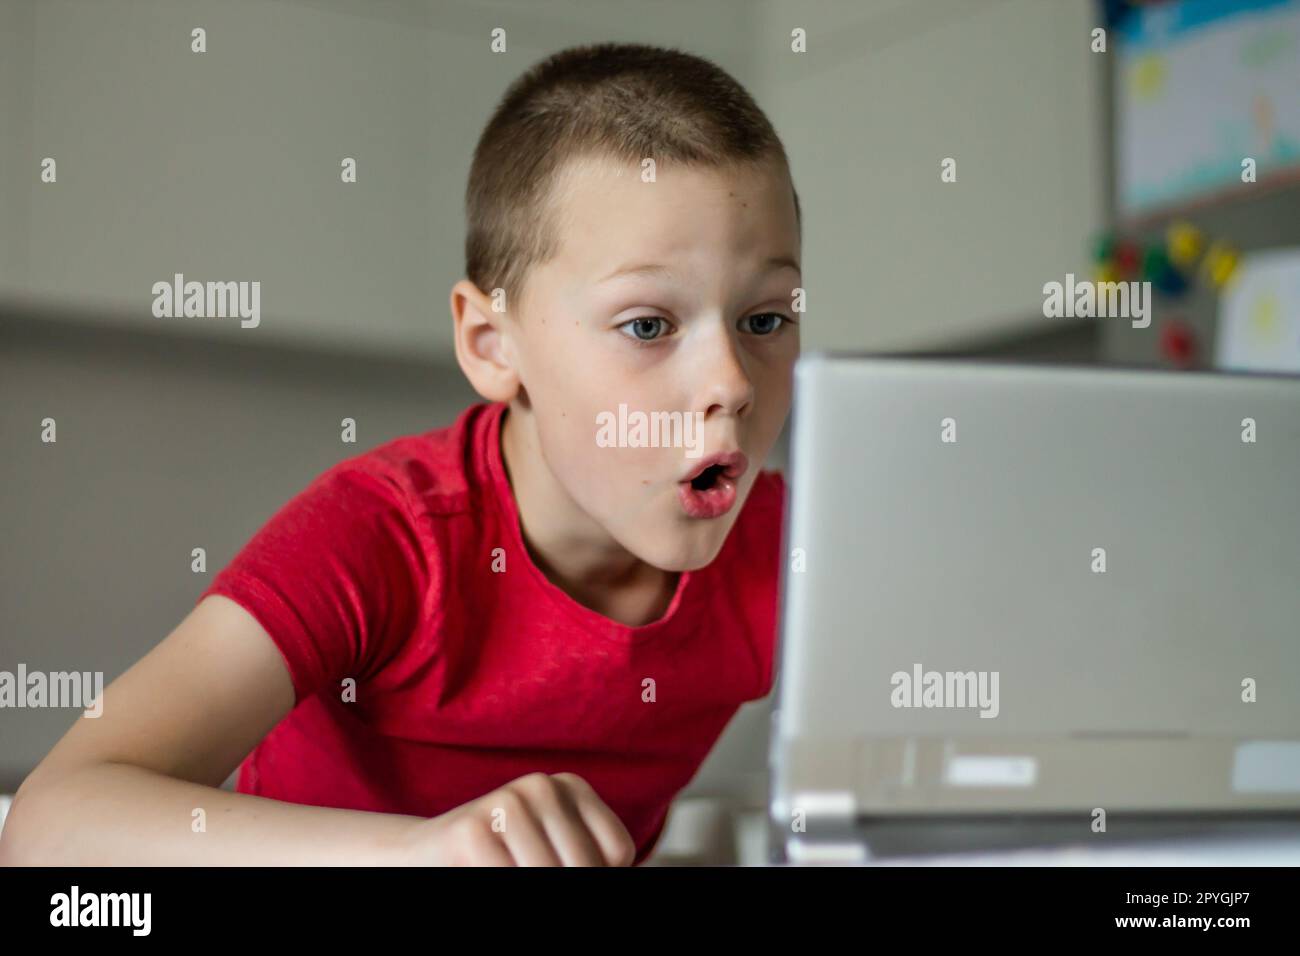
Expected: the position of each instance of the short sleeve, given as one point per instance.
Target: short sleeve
(336, 577)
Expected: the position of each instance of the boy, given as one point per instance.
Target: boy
(503, 642)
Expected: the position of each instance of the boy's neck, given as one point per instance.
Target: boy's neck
(567, 545)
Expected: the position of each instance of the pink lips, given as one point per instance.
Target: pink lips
(717, 499)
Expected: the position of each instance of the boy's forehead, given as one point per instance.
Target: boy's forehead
(606, 210)
(597, 179)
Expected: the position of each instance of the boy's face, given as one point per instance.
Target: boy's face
(704, 327)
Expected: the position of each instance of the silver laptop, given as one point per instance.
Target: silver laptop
(1026, 605)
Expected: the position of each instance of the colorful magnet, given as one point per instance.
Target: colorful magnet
(1184, 242)
(1178, 342)
(1154, 263)
(1159, 271)
(1128, 258)
(1172, 283)
(1105, 272)
(1103, 247)
(1220, 264)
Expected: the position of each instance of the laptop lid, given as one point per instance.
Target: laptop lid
(1038, 589)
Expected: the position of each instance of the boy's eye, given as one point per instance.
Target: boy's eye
(765, 323)
(647, 328)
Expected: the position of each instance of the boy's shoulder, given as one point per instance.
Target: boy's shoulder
(438, 471)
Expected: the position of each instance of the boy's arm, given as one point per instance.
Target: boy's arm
(122, 788)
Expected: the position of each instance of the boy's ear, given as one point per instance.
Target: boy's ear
(482, 346)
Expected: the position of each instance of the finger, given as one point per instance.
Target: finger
(525, 835)
(565, 824)
(616, 845)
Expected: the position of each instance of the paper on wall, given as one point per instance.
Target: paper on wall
(1259, 314)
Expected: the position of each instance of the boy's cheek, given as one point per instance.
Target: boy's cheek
(623, 473)
(608, 479)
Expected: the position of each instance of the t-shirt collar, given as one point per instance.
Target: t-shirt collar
(504, 500)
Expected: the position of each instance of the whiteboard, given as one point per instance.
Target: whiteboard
(1203, 85)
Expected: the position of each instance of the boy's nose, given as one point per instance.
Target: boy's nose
(727, 386)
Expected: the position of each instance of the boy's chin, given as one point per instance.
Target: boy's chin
(681, 551)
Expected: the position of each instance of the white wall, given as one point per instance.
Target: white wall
(15, 139)
(225, 165)
(894, 257)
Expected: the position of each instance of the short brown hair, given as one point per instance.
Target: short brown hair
(622, 100)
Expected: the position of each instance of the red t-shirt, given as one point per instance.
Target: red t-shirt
(466, 677)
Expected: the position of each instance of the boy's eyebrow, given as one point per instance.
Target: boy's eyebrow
(653, 269)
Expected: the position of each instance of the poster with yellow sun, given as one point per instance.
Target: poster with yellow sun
(1207, 101)
(1259, 314)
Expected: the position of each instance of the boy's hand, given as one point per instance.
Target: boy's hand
(537, 820)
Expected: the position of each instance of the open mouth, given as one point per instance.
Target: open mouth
(708, 478)
(712, 490)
